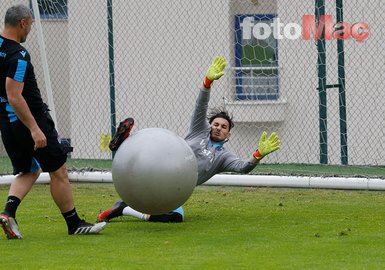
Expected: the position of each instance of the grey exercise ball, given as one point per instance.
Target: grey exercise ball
(154, 171)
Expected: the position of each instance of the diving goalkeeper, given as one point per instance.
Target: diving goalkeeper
(207, 135)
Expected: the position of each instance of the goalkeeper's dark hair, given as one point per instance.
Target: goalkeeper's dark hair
(221, 113)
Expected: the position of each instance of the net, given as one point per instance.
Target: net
(146, 59)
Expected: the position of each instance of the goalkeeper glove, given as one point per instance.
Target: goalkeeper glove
(215, 71)
(267, 146)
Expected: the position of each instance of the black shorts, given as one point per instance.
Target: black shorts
(19, 145)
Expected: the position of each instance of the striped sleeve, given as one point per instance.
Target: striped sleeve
(20, 70)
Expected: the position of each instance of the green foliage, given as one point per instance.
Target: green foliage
(274, 169)
(320, 170)
(257, 55)
(225, 228)
(72, 164)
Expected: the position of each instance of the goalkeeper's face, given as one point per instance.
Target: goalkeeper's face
(220, 129)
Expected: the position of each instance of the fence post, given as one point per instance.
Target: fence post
(341, 88)
(111, 67)
(321, 63)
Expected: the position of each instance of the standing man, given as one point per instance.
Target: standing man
(28, 132)
(206, 137)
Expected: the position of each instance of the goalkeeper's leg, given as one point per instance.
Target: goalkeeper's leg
(120, 208)
(115, 211)
(175, 216)
(122, 133)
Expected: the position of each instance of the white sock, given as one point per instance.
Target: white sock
(128, 211)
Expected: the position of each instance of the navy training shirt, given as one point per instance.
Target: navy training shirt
(15, 63)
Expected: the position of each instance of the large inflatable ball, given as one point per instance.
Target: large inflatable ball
(154, 171)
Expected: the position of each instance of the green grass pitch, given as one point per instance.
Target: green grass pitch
(225, 228)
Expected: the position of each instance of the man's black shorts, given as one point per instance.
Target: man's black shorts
(19, 145)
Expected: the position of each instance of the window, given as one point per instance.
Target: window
(256, 60)
(52, 9)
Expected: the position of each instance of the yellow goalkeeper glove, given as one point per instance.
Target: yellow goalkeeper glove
(267, 146)
(215, 71)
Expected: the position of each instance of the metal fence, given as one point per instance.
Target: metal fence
(111, 59)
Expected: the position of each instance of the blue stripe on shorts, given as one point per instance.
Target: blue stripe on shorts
(35, 166)
(11, 113)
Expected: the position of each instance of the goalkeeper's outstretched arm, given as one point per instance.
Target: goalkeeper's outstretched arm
(266, 146)
(215, 71)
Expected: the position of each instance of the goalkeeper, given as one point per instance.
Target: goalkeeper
(207, 136)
